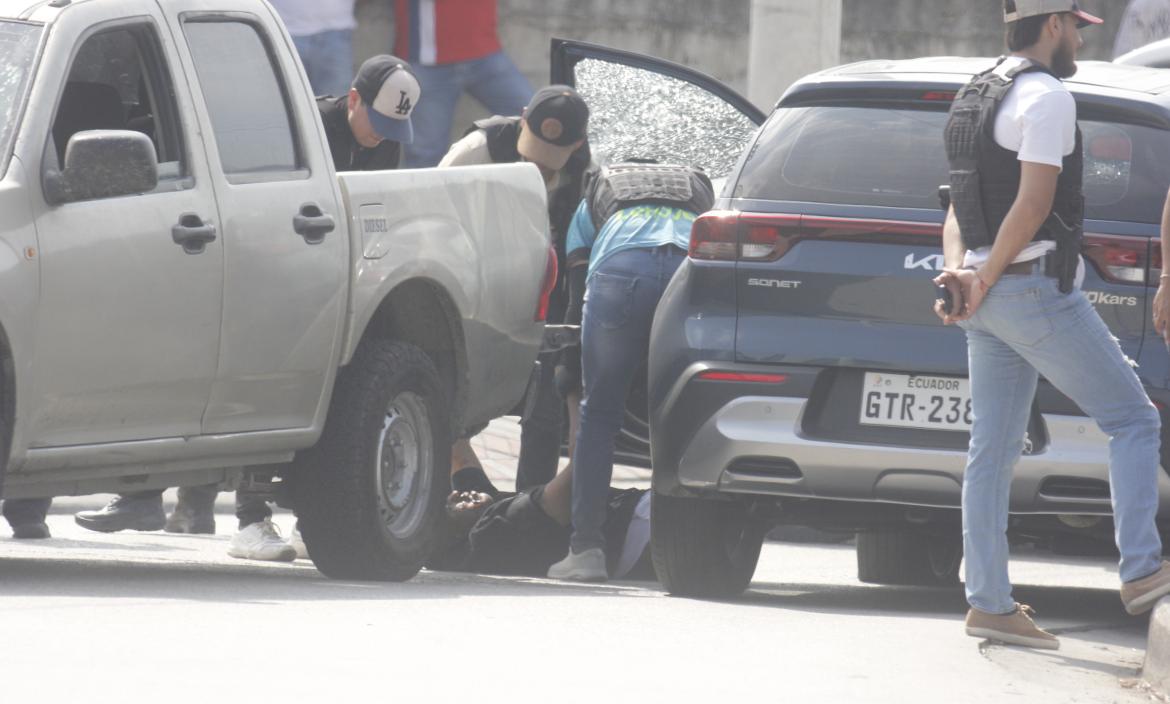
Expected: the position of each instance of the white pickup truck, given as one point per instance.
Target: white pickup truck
(189, 294)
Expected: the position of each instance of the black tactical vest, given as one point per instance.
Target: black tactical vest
(622, 186)
(985, 177)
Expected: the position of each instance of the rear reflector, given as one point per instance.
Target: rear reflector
(1121, 260)
(744, 377)
(551, 270)
(715, 236)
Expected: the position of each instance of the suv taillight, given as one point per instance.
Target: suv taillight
(715, 236)
(724, 235)
(546, 288)
(1121, 260)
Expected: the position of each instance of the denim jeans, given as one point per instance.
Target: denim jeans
(493, 80)
(1026, 327)
(328, 60)
(620, 301)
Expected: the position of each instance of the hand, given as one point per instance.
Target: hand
(1162, 310)
(465, 501)
(971, 291)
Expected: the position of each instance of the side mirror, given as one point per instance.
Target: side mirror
(944, 197)
(103, 164)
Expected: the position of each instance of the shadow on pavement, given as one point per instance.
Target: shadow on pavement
(256, 583)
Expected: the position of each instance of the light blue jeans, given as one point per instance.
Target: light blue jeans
(1026, 327)
(493, 80)
(328, 60)
(620, 300)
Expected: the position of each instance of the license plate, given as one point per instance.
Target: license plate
(916, 401)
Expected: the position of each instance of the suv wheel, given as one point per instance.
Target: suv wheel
(908, 558)
(370, 495)
(703, 547)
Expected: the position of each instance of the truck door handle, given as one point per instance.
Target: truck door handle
(192, 233)
(312, 224)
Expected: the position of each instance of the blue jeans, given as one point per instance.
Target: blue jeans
(328, 60)
(493, 80)
(620, 300)
(1027, 327)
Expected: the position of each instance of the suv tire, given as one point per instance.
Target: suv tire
(908, 559)
(370, 494)
(704, 548)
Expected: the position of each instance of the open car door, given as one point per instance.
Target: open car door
(644, 107)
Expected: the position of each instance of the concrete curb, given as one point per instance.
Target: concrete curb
(1156, 670)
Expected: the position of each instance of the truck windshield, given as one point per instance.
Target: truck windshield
(18, 47)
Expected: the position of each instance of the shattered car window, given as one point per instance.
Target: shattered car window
(18, 46)
(638, 113)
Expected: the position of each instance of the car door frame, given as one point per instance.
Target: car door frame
(565, 54)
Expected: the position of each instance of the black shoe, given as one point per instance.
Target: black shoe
(195, 511)
(31, 531)
(125, 513)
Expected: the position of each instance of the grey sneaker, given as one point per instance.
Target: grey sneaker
(585, 566)
(1015, 628)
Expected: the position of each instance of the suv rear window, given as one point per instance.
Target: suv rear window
(896, 158)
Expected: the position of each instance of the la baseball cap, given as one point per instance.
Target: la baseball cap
(390, 91)
(1014, 10)
(555, 120)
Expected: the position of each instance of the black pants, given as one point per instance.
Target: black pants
(23, 512)
(250, 507)
(541, 430)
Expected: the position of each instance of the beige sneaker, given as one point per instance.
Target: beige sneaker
(1016, 628)
(1140, 596)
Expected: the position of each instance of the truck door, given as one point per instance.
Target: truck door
(284, 236)
(131, 286)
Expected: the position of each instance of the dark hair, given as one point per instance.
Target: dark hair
(1022, 34)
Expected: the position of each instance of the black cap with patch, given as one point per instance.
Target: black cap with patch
(556, 119)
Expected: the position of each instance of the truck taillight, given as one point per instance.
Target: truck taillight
(546, 288)
(715, 236)
(1122, 260)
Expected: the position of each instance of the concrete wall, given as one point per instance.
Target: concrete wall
(780, 39)
(896, 29)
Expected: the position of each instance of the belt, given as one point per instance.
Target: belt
(1040, 265)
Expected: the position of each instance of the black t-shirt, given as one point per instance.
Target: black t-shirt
(348, 155)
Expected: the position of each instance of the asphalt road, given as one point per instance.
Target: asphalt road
(150, 617)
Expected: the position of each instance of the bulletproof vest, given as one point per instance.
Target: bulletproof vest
(623, 186)
(985, 177)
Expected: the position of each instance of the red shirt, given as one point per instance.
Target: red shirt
(431, 32)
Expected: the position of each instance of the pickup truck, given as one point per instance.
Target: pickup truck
(189, 294)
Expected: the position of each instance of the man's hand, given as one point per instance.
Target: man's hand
(967, 290)
(1162, 310)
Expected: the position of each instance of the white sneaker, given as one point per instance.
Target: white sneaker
(585, 566)
(261, 541)
(298, 543)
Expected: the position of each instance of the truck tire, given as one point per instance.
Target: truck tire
(908, 559)
(704, 548)
(370, 495)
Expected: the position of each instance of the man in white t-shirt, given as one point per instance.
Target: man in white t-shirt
(1012, 248)
(322, 31)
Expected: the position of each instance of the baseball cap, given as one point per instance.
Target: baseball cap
(555, 120)
(390, 91)
(1014, 10)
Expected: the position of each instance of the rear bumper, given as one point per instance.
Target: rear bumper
(751, 443)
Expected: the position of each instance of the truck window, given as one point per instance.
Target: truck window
(245, 98)
(18, 46)
(119, 81)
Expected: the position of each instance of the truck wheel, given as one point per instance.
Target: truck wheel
(370, 495)
(908, 558)
(703, 547)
